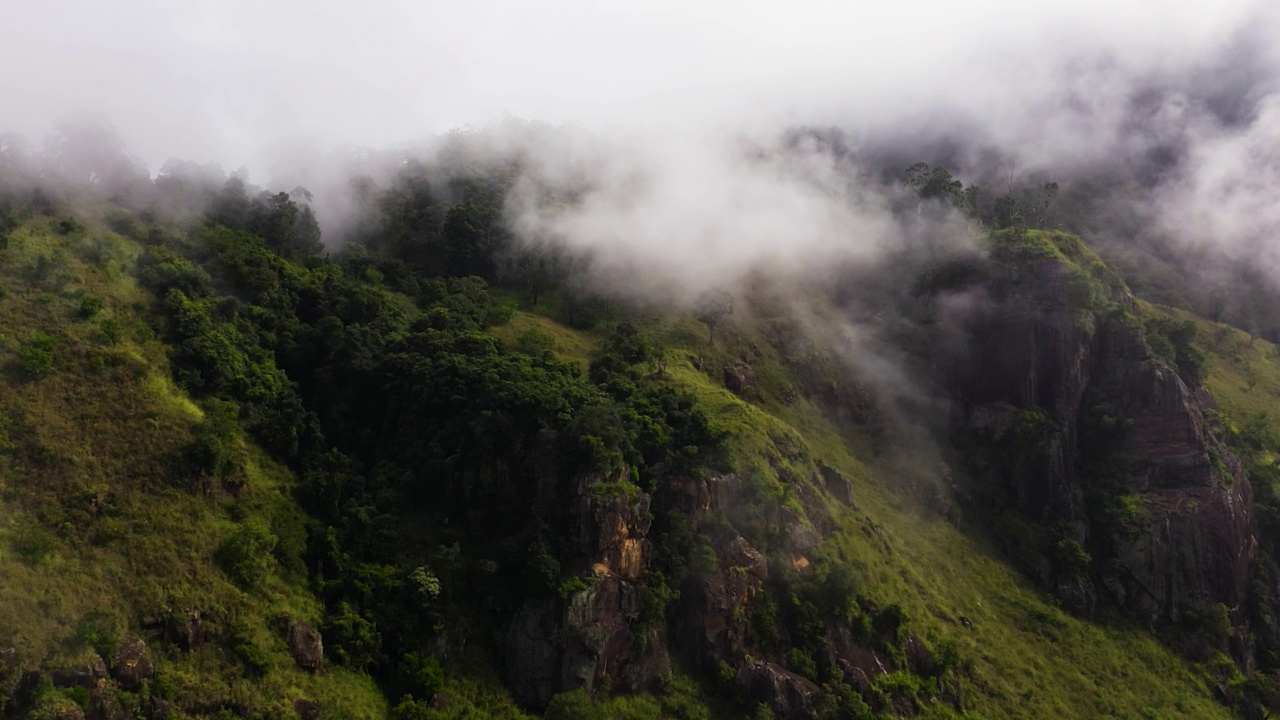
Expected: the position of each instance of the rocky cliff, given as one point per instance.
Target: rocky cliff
(594, 636)
(1099, 447)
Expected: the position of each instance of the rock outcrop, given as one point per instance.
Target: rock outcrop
(306, 645)
(1086, 415)
(131, 663)
(713, 602)
(594, 636)
(788, 695)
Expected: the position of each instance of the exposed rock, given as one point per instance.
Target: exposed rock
(739, 378)
(856, 677)
(189, 630)
(131, 664)
(103, 706)
(590, 639)
(87, 675)
(307, 646)
(1195, 544)
(713, 603)
(788, 695)
(918, 656)
(156, 708)
(837, 484)
(440, 700)
(70, 712)
(612, 526)
(10, 672)
(24, 690)
(800, 537)
(599, 627)
(533, 653)
(307, 709)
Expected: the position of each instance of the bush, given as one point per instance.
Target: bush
(354, 639)
(100, 630)
(90, 306)
(535, 342)
(800, 663)
(111, 331)
(421, 674)
(246, 556)
(574, 705)
(249, 648)
(35, 359)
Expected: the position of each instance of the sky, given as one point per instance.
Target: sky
(233, 80)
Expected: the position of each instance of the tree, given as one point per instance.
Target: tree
(935, 183)
(712, 307)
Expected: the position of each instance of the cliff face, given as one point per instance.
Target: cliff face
(594, 636)
(1094, 440)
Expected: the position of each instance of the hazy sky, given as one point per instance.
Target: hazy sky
(227, 80)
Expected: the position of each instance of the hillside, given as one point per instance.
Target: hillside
(220, 445)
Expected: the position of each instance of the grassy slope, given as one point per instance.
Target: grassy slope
(1242, 373)
(1027, 657)
(92, 521)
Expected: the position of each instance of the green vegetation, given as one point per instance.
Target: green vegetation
(393, 445)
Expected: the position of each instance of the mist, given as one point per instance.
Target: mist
(684, 146)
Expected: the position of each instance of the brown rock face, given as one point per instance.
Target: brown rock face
(611, 531)
(598, 641)
(1039, 352)
(712, 603)
(131, 664)
(87, 675)
(533, 653)
(739, 378)
(590, 638)
(307, 709)
(788, 695)
(307, 646)
(103, 706)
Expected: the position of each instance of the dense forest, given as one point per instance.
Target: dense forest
(428, 468)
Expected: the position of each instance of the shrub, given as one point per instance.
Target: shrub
(35, 359)
(890, 621)
(410, 709)
(246, 556)
(421, 674)
(249, 648)
(800, 663)
(100, 630)
(111, 331)
(1071, 558)
(535, 342)
(574, 705)
(354, 639)
(90, 306)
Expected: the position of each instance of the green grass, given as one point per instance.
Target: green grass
(567, 343)
(1026, 657)
(94, 520)
(1243, 372)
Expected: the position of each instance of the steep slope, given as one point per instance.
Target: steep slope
(454, 515)
(107, 537)
(1018, 654)
(1095, 439)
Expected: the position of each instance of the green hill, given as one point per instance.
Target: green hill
(218, 442)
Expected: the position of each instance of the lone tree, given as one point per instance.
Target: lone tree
(711, 307)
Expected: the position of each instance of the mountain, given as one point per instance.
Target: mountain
(438, 473)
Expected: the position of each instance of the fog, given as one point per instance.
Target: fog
(234, 80)
(660, 138)
(670, 114)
